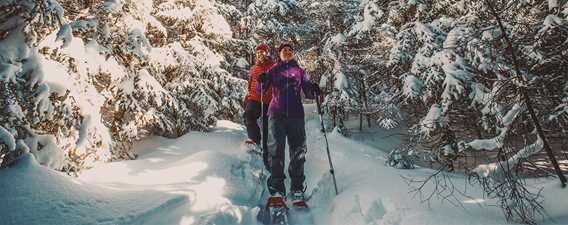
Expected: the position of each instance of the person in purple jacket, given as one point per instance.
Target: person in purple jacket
(286, 120)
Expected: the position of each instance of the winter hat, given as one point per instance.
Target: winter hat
(283, 45)
(262, 47)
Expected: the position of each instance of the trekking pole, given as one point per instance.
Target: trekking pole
(331, 170)
(263, 153)
(263, 135)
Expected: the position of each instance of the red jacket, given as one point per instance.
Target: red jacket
(255, 70)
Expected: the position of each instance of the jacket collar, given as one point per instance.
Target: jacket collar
(292, 62)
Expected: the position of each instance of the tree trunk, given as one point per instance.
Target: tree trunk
(366, 102)
(334, 115)
(361, 121)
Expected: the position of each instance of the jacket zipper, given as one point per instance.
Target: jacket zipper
(287, 94)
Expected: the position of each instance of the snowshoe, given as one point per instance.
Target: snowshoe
(252, 147)
(299, 212)
(249, 141)
(275, 212)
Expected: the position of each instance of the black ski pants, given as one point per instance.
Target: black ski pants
(281, 129)
(252, 113)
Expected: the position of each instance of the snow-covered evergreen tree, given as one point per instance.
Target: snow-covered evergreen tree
(32, 119)
(453, 62)
(273, 21)
(108, 73)
(446, 53)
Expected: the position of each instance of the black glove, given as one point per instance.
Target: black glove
(261, 78)
(317, 90)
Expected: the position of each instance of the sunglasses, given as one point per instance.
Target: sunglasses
(288, 49)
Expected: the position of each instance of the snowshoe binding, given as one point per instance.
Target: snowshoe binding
(298, 200)
(274, 212)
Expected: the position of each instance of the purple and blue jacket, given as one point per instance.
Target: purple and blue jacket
(286, 80)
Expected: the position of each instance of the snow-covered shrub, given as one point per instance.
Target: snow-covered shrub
(401, 158)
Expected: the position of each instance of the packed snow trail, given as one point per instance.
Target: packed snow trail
(205, 178)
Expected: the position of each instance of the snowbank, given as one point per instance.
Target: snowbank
(205, 178)
(34, 194)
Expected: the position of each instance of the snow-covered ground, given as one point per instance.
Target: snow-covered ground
(206, 178)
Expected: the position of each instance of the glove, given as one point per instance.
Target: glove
(317, 90)
(261, 78)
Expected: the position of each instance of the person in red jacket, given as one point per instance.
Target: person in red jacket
(252, 101)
